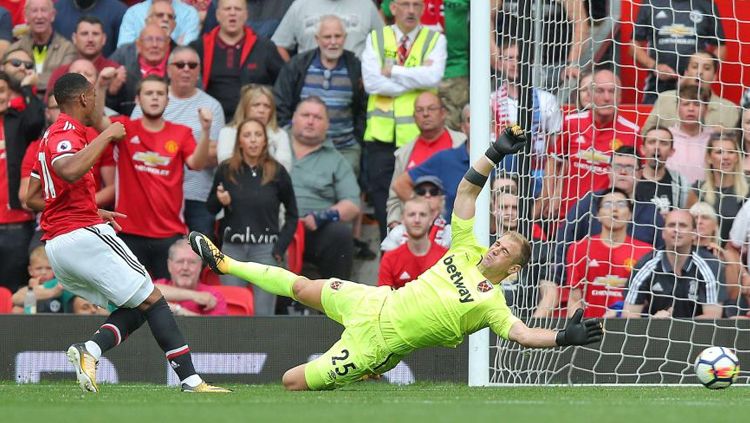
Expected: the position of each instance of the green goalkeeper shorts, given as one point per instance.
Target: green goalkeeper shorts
(361, 351)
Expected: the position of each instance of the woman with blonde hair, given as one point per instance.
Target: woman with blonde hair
(250, 187)
(256, 101)
(724, 186)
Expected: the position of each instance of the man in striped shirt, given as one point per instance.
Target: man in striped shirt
(678, 281)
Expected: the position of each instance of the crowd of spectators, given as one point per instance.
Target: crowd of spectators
(278, 126)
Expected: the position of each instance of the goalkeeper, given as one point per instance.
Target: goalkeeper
(455, 297)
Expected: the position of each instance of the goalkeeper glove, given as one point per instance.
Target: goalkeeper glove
(579, 332)
(511, 141)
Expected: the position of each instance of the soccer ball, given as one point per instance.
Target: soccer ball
(717, 367)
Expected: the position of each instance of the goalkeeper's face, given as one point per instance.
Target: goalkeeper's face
(502, 258)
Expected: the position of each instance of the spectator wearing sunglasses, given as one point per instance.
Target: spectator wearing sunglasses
(430, 189)
(333, 74)
(184, 102)
(50, 49)
(430, 115)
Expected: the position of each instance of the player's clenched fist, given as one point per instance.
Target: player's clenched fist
(206, 118)
(106, 76)
(115, 131)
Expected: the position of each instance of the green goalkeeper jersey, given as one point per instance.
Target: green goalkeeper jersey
(448, 301)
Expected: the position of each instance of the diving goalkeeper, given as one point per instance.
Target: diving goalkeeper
(457, 296)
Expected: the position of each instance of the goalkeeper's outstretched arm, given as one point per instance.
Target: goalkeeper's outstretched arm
(576, 332)
(510, 141)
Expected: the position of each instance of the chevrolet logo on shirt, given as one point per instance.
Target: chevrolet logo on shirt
(151, 158)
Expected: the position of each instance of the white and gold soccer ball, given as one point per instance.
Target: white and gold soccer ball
(717, 367)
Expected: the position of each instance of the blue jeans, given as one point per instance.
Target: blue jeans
(198, 218)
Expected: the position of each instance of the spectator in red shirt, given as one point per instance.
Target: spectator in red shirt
(430, 115)
(151, 162)
(599, 266)
(19, 125)
(186, 295)
(147, 56)
(579, 160)
(418, 254)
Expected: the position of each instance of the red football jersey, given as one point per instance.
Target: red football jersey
(602, 272)
(587, 150)
(400, 266)
(150, 172)
(423, 150)
(106, 158)
(68, 206)
(8, 215)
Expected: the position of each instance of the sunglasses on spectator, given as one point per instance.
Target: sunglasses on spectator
(182, 65)
(433, 191)
(18, 63)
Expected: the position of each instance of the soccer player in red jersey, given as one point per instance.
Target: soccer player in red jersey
(580, 158)
(87, 256)
(599, 266)
(151, 164)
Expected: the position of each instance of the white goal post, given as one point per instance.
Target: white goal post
(645, 351)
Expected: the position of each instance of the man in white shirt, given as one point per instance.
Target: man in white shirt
(399, 62)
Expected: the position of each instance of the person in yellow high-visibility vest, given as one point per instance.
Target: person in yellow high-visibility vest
(399, 62)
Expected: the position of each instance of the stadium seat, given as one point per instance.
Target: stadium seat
(296, 249)
(6, 303)
(239, 300)
(208, 277)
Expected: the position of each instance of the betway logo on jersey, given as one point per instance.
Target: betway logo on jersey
(457, 279)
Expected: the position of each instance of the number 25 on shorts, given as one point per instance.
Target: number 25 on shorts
(342, 370)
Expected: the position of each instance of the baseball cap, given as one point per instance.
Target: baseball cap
(429, 179)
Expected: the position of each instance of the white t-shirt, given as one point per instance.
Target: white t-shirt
(297, 28)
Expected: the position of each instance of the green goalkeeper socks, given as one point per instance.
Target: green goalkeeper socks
(272, 279)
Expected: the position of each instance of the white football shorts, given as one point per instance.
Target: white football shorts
(95, 264)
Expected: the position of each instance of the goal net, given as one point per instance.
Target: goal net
(577, 76)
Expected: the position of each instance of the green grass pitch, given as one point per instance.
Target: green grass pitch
(373, 402)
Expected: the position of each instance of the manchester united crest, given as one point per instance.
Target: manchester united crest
(336, 285)
(484, 286)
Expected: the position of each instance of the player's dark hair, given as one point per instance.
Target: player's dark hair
(93, 20)
(150, 78)
(68, 87)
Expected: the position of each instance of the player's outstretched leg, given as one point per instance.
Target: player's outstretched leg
(275, 280)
